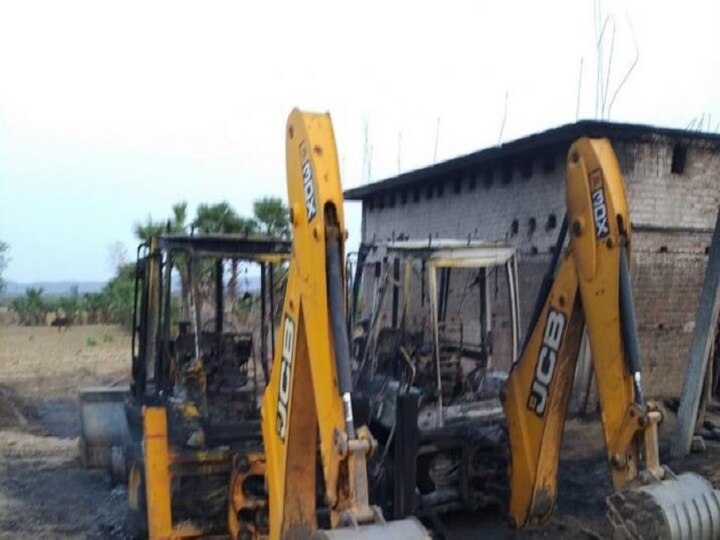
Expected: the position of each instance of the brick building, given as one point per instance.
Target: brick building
(515, 192)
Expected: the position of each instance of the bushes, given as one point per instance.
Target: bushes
(112, 305)
(30, 308)
(117, 295)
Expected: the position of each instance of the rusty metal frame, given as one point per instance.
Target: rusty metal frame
(231, 246)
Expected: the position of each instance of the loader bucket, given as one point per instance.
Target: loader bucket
(103, 424)
(683, 507)
(407, 529)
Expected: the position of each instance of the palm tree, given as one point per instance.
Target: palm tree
(272, 215)
(222, 218)
(144, 231)
(95, 304)
(70, 304)
(31, 307)
(178, 223)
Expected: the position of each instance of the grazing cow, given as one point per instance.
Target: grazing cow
(62, 323)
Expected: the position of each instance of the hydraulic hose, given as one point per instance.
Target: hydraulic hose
(547, 282)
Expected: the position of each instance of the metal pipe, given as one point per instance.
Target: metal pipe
(348, 287)
(195, 320)
(516, 280)
(271, 268)
(547, 282)
(422, 283)
(628, 326)
(263, 322)
(513, 303)
(433, 293)
(339, 330)
(377, 304)
(362, 254)
(483, 305)
(135, 321)
(219, 307)
(373, 328)
(395, 292)
(442, 297)
(407, 280)
(138, 358)
(153, 317)
(163, 366)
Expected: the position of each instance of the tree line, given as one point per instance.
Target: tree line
(114, 303)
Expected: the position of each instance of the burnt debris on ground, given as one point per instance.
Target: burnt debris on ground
(46, 493)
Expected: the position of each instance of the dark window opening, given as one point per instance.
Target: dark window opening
(429, 192)
(416, 194)
(707, 250)
(663, 249)
(488, 177)
(534, 250)
(514, 227)
(381, 202)
(472, 184)
(532, 224)
(548, 163)
(457, 186)
(403, 196)
(679, 157)
(440, 190)
(526, 169)
(391, 200)
(551, 222)
(507, 173)
(370, 204)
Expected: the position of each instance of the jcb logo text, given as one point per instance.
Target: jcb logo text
(285, 377)
(552, 339)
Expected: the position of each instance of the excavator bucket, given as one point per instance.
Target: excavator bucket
(683, 507)
(410, 529)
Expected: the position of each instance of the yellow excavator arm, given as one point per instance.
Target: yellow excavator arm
(304, 379)
(307, 404)
(589, 286)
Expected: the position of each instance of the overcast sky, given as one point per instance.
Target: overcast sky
(111, 111)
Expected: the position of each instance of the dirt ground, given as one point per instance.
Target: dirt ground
(46, 493)
(44, 490)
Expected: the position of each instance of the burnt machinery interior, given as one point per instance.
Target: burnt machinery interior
(435, 328)
(201, 348)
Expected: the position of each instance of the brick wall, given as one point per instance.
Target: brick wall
(523, 202)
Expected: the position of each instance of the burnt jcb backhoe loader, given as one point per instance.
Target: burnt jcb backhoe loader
(199, 367)
(429, 468)
(436, 329)
(308, 406)
(589, 286)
